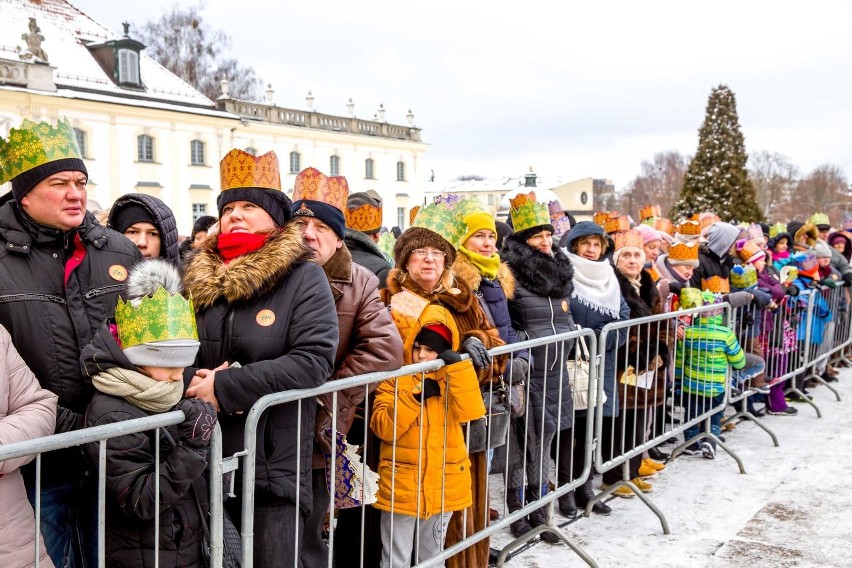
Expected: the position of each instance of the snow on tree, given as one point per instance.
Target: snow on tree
(716, 179)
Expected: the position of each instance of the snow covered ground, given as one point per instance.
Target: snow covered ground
(793, 507)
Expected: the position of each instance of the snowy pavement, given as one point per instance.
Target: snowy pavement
(793, 507)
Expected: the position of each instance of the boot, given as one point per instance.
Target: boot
(568, 505)
(584, 494)
(514, 500)
(539, 517)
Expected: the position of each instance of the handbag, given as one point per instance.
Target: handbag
(232, 554)
(578, 375)
(496, 416)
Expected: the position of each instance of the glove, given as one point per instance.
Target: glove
(449, 357)
(428, 389)
(196, 429)
(478, 354)
(791, 290)
(829, 283)
(739, 299)
(322, 430)
(520, 368)
(675, 287)
(847, 278)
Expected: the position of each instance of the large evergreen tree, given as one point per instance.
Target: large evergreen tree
(717, 179)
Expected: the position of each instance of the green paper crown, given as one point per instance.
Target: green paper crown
(160, 317)
(527, 212)
(743, 276)
(819, 219)
(777, 229)
(441, 219)
(33, 145)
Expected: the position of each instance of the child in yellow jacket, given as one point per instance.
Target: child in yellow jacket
(424, 472)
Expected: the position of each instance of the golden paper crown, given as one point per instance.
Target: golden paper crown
(706, 219)
(601, 217)
(689, 228)
(683, 252)
(160, 317)
(665, 226)
(240, 169)
(748, 251)
(716, 284)
(650, 211)
(616, 224)
(630, 238)
(365, 218)
(313, 185)
(777, 229)
(526, 212)
(32, 145)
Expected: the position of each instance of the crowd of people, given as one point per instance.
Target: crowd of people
(111, 317)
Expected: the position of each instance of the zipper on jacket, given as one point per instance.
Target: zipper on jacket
(229, 328)
(552, 327)
(31, 298)
(95, 292)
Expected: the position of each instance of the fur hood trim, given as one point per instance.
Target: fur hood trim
(254, 274)
(641, 302)
(465, 270)
(338, 269)
(458, 298)
(541, 274)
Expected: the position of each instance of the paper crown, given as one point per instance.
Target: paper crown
(601, 217)
(650, 211)
(35, 144)
(777, 229)
(630, 238)
(364, 218)
(691, 298)
(613, 225)
(743, 276)
(385, 244)
(806, 261)
(526, 212)
(160, 317)
(819, 219)
(689, 228)
(665, 226)
(683, 252)
(440, 218)
(706, 219)
(716, 284)
(313, 185)
(412, 214)
(755, 232)
(749, 251)
(460, 205)
(555, 209)
(240, 169)
(789, 274)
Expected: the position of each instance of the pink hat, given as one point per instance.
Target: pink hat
(649, 234)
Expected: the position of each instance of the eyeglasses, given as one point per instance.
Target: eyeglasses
(423, 253)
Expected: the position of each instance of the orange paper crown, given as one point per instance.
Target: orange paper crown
(412, 214)
(616, 224)
(601, 217)
(364, 218)
(716, 284)
(630, 238)
(683, 252)
(689, 228)
(707, 218)
(313, 185)
(749, 251)
(650, 211)
(665, 226)
(241, 169)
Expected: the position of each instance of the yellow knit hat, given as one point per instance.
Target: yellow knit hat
(477, 221)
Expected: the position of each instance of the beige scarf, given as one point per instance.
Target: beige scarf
(139, 390)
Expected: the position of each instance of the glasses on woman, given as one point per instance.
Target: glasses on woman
(423, 253)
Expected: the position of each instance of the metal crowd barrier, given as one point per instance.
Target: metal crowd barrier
(829, 332)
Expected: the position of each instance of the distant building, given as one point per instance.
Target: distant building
(143, 129)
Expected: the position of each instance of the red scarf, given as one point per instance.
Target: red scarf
(232, 245)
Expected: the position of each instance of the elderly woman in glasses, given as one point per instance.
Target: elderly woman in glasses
(422, 267)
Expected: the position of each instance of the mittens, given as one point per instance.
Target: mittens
(197, 428)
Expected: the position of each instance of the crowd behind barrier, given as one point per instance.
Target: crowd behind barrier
(789, 361)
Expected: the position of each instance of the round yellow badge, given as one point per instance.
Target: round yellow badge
(564, 305)
(265, 318)
(118, 272)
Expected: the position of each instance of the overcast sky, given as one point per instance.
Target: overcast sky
(573, 91)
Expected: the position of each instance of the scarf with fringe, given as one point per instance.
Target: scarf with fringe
(138, 389)
(595, 285)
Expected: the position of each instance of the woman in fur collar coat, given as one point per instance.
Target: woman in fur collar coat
(423, 259)
(262, 303)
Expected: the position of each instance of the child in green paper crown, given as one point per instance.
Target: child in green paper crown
(136, 365)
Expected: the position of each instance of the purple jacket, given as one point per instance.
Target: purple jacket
(766, 281)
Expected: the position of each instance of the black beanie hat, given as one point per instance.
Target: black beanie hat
(331, 216)
(129, 214)
(203, 223)
(25, 181)
(435, 337)
(273, 201)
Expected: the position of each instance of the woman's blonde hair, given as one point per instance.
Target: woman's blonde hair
(575, 244)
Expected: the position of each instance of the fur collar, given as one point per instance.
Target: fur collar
(465, 270)
(460, 302)
(539, 273)
(642, 302)
(207, 278)
(338, 269)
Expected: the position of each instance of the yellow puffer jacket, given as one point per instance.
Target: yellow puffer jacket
(424, 471)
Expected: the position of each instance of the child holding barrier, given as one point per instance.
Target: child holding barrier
(424, 469)
(136, 365)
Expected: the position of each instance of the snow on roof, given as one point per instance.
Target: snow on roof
(66, 32)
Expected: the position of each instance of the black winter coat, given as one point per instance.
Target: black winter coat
(365, 252)
(272, 312)
(710, 266)
(540, 308)
(51, 320)
(163, 217)
(130, 478)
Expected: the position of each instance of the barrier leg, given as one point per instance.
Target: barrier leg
(707, 434)
(823, 382)
(523, 539)
(744, 414)
(644, 498)
(803, 397)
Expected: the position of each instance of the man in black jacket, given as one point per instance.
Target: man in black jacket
(60, 276)
(363, 222)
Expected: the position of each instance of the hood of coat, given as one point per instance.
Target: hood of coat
(458, 298)
(162, 216)
(541, 274)
(432, 314)
(465, 270)
(248, 276)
